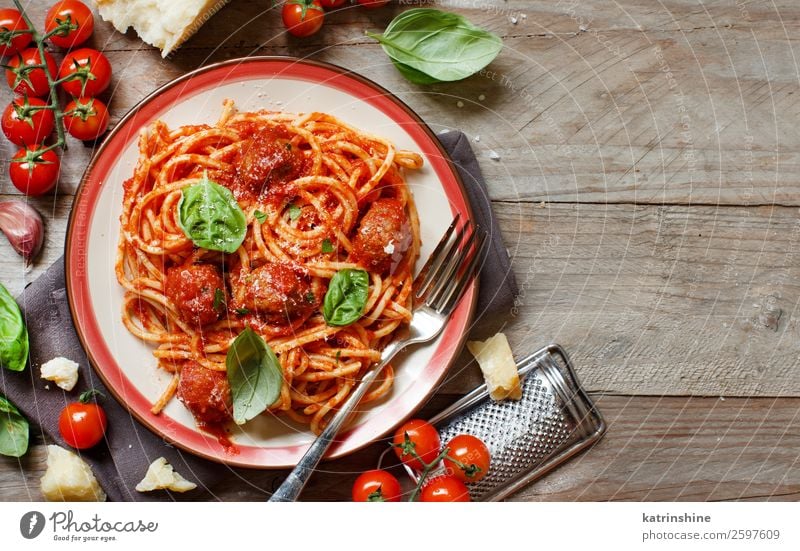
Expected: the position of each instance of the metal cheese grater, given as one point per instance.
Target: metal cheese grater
(554, 420)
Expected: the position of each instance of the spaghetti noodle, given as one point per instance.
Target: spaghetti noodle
(319, 197)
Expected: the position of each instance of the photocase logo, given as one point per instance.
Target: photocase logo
(31, 524)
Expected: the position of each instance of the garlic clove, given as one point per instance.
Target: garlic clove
(23, 227)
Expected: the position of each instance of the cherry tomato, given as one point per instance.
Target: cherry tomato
(34, 172)
(372, 4)
(445, 488)
(26, 80)
(11, 20)
(303, 17)
(376, 485)
(470, 458)
(419, 436)
(77, 16)
(92, 70)
(82, 424)
(331, 4)
(25, 121)
(86, 118)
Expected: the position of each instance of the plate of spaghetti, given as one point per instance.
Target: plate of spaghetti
(242, 247)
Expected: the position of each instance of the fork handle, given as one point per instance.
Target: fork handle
(297, 479)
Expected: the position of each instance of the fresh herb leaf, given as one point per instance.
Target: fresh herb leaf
(254, 375)
(14, 430)
(310, 297)
(242, 311)
(441, 46)
(294, 211)
(346, 297)
(13, 334)
(260, 216)
(327, 246)
(219, 299)
(210, 216)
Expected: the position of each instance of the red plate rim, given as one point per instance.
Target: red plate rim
(77, 283)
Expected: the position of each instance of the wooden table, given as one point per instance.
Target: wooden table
(640, 159)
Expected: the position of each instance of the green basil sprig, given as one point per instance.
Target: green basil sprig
(13, 334)
(210, 216)
(346, 297)
(254, 375)
(14, 430)
(428, 45)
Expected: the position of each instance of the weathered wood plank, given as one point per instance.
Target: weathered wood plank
(665, 449)
(650, 300)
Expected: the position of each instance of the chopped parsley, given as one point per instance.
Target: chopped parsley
(219, 299)
(327, 246)
(242, 311)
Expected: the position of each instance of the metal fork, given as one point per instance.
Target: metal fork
(436, 292)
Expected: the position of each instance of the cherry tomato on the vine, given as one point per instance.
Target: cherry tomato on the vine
(10, 42)
(77, 20)
(25, 78)
(445, 488)
(376, 485)
(82, 424)
(27, 121)
(34, 172)
(372, 4)
(420, 437)
(467, 458)
(302, 17)
(331, 4)
(91, 70)
(86, 118)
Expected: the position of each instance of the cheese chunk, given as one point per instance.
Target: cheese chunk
(161, 476)
(498, 367)
(62, 371)
(165, 24)
(69, 478)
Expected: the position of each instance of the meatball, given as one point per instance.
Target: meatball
(192, 288)
(268, 158)
(383, 236)
(206, 393)
(278, 290)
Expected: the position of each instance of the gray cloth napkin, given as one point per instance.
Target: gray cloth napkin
(121, 462)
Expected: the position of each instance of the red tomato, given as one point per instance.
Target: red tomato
(25, 122)
(372, 4)
(467, 458)
(419, 436)
(86, 118)
(445, 488)
(11, 20)
(91, 69)
(331, 4)
(303, 17)
(376, 485)
(76, 17)
(26, 80)
(34, 172)
(82, 424)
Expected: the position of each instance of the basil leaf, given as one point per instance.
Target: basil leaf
(411, 74)
(294, 212)
(260, 216)
(219, 300)
(14, 430)
(13, 334)
(210, 216)
(254, 375)
(443, 46)
(327, 246)
(346, 297)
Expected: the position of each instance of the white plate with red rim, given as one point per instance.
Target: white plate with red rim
(126, 364)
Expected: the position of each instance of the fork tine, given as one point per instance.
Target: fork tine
(466, 276)
(446, 278)
(437, 259)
